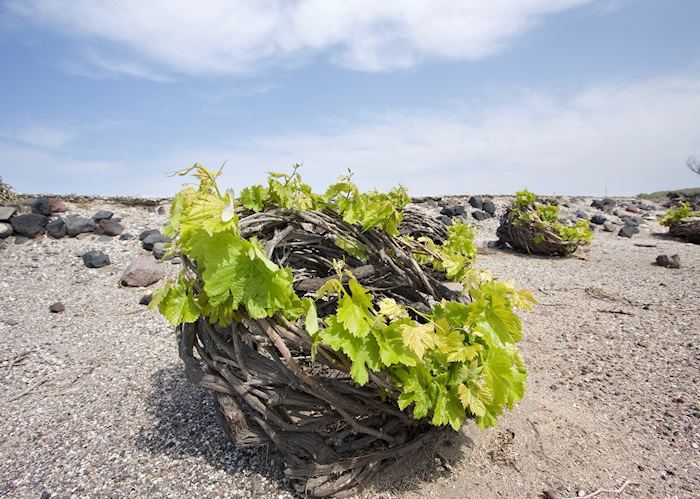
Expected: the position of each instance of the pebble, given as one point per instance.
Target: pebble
(95, 259)
(670, 262)
(57, 307)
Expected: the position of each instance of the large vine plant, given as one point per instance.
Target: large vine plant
(457, 361)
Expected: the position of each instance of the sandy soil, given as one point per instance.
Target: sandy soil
(94, 400)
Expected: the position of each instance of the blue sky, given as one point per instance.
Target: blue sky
(445, 97)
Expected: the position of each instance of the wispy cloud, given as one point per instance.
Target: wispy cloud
(623, 137)
(239, 36)
(628, 137)
(39, 136)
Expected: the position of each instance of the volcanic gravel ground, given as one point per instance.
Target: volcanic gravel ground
(94, 399)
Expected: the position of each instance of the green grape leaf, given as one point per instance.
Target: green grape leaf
(448, 409)
(254, 197)
(418, 338)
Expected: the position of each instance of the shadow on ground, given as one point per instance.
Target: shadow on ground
(186, 424)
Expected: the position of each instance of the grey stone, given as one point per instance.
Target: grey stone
(147, 233)
(609, 227)
(110, 227)
(632, 208)
(159, 251)
(671, 262)
(480, 215)
(102, 215)
(95, 259)
(21, 240)
(76, 224)
(125, 236)
(161, 210)
(581, 214)
(30, 225)
(628, 230)
(57, 308)
(142, 272)
(476, 202)
(149, 241)
(598, 219)
(11, 322)
(445, 219)
(6, 213)
(598, 203)
(489, 207)
(5, 230)
(56, 228)
(42, 206)
(647, 206)
(104, 238)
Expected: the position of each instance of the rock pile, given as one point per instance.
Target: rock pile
(43, 218)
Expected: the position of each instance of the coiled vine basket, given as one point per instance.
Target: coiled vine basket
(331, 434)
(688, 229)
(532, 237)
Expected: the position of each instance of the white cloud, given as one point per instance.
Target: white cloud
(40, 136)
(237, 36)
(628, 137)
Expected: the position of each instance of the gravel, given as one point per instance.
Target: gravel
(95, 402)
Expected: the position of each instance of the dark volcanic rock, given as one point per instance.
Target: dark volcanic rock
(142, 272)
(30, 225)
(95, 259)
(480, 215)
(147, 233)
(146, 299)
(448, 211)
(445, 219)
(671, 262)
(125, 236)
(149, 241)
(21, 240)
(160, 250)
(459, 210)
(57, 308)
(75, 224)
(489, 207)
(102, 215)
(476, 202)
(110, 227)
(598, 219)
(628, 230)
(56, 228)
(581, 214)
(42, 206)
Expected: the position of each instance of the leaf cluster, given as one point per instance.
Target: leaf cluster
(678, 214)
(453, 362)
(527, 210)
